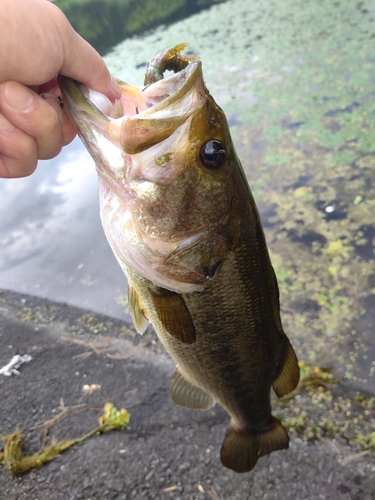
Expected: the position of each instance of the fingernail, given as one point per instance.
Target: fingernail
(18, 97)
(5, 124)
(115, 87)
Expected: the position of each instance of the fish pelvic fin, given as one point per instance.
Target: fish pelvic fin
(183, 393)
(137, 310)
(242, 448)
(288, 378)
(174, 315)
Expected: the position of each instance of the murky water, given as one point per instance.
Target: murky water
(296, 81)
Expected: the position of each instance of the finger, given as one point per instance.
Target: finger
(88, 69)
(68, 129)
(34, 115)
(52, 94)
(18, 151)
(93, 73)
(55, 46)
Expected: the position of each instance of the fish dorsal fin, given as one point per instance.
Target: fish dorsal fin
(289, 376)
(183, 393)
(174, 315)
(137, 310)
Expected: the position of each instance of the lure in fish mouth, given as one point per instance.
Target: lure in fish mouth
(181, 220)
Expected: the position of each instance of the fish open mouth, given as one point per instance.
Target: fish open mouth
(154, 187)
(143, 116)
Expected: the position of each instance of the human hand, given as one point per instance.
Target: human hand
(37, 43)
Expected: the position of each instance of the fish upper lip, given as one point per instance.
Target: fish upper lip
(74, 94)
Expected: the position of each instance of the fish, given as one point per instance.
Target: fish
(181, 220)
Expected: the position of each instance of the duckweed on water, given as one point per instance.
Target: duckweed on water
(315, 177)
(321, 406)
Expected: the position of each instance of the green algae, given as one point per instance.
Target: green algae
(322, 407)
(15, 459)
(162, 160)
(91, 324)
(314, 109)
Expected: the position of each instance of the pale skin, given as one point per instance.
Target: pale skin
(37, 44)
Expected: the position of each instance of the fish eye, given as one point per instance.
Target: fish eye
(212, 154)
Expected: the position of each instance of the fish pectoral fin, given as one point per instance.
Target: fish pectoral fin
(174, 315)
(288, 379)
(137, 310)
(183, 393)
(242, 448)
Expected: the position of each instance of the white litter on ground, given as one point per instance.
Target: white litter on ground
(14, 363)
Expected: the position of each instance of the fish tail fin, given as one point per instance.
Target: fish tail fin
(275, 437)
(241, 449)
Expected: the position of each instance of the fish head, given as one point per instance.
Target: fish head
(168, 176)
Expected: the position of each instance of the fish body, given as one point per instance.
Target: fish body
(180, 217)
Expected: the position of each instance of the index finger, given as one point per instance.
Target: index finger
(82, 62)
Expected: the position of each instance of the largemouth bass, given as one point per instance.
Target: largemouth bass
(180, 217)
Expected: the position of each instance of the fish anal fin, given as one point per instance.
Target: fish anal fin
(242, 448)
(137, 310)
(183, 393)
(174, 315)
(288, 378)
